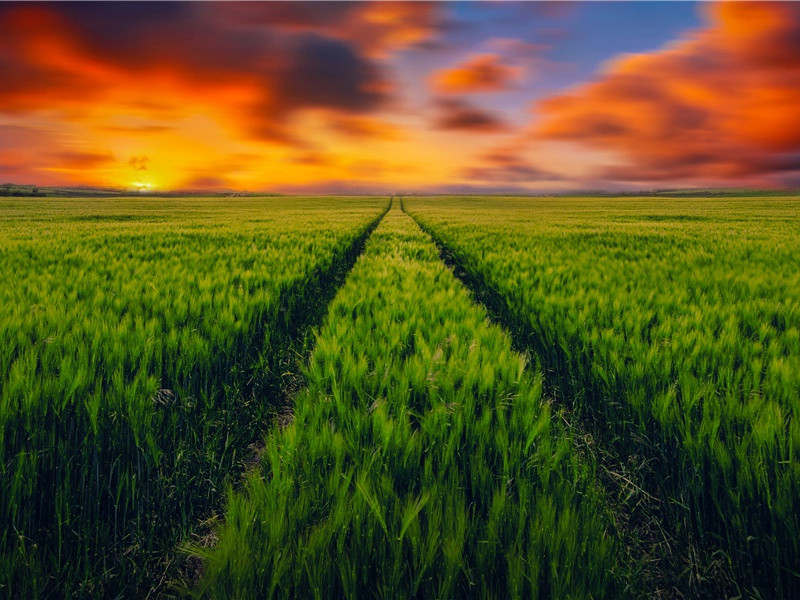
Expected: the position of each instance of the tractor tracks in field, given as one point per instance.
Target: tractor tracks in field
(175, 571)
(656, 560)
(651, 565)
(498, 472)
(298, 351)
(637, 532)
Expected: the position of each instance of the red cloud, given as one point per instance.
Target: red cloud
(721, 104)
(480, 73)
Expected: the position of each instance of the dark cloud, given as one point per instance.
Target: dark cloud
(119, 27)
(327, 73)
(550, 9)
(506, 167)
(458, 115)
(301, 16)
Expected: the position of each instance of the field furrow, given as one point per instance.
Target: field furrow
(144, 343)
(422, 460)
(673, 327)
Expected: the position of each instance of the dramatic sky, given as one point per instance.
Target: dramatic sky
(397, 97)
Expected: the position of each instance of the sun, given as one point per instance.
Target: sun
(142, 187)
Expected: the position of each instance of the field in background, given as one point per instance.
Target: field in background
(639, 438)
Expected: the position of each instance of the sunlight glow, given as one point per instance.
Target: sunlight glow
(141, 187)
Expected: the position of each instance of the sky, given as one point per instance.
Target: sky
(400, 97)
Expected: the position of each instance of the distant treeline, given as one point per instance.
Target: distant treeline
(8, 190)
(701, 193)
(11, 189)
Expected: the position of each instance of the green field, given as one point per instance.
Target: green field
(673, 327)
(457, 398)
(143, 347)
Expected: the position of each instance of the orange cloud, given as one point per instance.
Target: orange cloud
(721, 104)
(390, 26)
(480, 73)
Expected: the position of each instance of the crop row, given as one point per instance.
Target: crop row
(140, 355)
(674, 324)
(422, 460)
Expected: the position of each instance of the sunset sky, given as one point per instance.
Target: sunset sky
(390, 97)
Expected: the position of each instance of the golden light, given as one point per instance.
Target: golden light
(141, 187)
